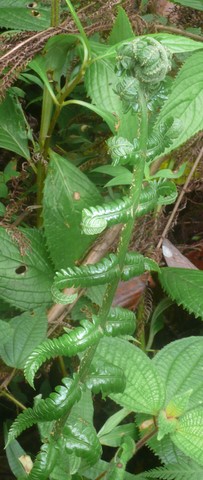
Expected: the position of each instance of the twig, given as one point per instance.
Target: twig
(184, 189)
(178, 31)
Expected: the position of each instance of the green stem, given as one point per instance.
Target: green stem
(78, 24)
(55, 13)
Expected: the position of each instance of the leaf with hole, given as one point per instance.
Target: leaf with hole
(26, 273)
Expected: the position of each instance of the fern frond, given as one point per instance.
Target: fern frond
(120, 322)
(52, 408)
(96, 219)
(176, 471)
(148, 200)
(62, 298)
(68, 344)
(88, 275)
(136, 264)
(105, 378)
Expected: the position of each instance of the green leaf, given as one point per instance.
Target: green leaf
(102, 467)
(113, 422)
(28, 330)
(186, 101)
(144, 391)
(45, 461)
(114, 438)
(122, 28)
(26, 274)
(67, 191)
(120, 322)
(2, 209)
(96, 219)
(197, 4)
(189, 434)
(179, 364)
(13, 452)
(6, 332)
(81, 438)
(177, 43)
(13, 129)
(185, 286)
(19, 15)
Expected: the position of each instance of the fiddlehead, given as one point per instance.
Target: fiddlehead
(145, 59)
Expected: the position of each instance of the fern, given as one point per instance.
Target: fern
(68, 344)
(136, 264)
(88, 275)
(176, 471)
(120, 322)
(52, 408)
(105, 378)
(96, 219)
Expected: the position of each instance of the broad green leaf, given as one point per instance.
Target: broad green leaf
(81, 438)
(186, 100)
(103, 467)
(6, 332)
(101, 80)
(144, 391)
(122, 28)
(21, 15)
(28, 330)
(13, 452)
(189, 434)
(185, 286)
(13, 130)
(179, 365)
(197, 4)
(177, 43)
(26, 275)
(67, 191)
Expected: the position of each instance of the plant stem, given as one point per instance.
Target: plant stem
(14, 400)
(78, 24)
(55, 13)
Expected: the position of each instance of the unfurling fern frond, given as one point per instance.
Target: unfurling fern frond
(52, 408)
(105, 378)
(68, 344)
(120, 322)
(96, 219)
(88, 275)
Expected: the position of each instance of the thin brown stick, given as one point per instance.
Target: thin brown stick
(99, 249)
(178, 31)
(183, 191)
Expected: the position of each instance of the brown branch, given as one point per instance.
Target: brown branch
(178, 31)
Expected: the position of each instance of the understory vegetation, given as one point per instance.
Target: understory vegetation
(101, 345)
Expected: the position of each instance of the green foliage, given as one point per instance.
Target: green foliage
(184, 286)
(197, 4)
(21, 15)
(149, 113)
(25, 268)
(13, 126)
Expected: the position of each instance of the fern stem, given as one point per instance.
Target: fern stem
(145, 439)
